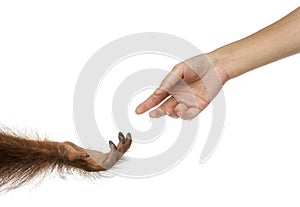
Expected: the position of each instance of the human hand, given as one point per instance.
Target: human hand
(187, 89)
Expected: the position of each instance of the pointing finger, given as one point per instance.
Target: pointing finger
(163, 91)
(150, 102)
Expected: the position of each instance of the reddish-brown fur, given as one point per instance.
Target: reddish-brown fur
(22, 159)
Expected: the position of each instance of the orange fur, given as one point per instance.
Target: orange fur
(22, 159)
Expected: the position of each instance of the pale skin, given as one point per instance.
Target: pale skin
(192, 84)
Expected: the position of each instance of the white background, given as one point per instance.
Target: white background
(44, 46)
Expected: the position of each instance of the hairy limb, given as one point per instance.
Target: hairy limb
(93, 161)
(22, 159)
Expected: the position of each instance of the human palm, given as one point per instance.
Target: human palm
(186, 90)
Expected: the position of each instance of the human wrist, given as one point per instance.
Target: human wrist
(219, 66)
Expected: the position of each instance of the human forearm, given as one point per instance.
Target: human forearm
(205, 74)
(272, 43)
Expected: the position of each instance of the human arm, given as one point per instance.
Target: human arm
(192, 84)
(279, 40)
